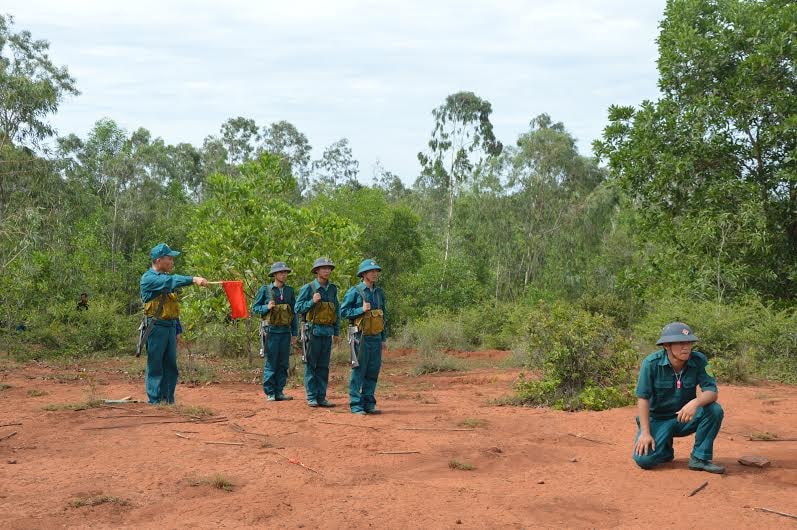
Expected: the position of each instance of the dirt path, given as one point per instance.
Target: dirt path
(530, 469)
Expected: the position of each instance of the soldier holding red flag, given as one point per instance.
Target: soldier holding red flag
(159, 329)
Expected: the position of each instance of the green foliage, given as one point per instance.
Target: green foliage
(711, 166)
(460, 466)
(60, 330)
(587, 362)
(434, 362)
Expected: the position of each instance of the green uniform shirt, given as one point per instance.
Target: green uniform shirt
(658, 382)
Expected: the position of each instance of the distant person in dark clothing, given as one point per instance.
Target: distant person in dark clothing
(83, 304)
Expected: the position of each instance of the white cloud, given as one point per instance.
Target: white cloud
(367, 70)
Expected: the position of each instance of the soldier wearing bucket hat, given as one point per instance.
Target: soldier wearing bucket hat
(669, 406)
(364, 306)
(159, 327)
(278, 329)
(318, 304)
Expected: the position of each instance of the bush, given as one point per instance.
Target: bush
(440, 330)
(587, 363)
(61, 330)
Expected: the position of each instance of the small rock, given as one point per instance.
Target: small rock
(11, 461)
(540, 482)
(755, 461)
(574, 459)
(459, 521)
(731, 438)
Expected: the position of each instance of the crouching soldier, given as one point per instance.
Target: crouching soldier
(364, 306)
(318, 304)
(275, 304)
(668, 404)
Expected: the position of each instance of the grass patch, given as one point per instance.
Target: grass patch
(35, 392)
(473, 423)
(763, 436)
(4, 386)
(88, 404)
(216, 481)
(96, 500)
(461, 466)
(434, 363)
(265, 444)
(199, 374)
(192, 411)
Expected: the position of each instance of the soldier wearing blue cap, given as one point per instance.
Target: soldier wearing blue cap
(279, 327)
(364, 306)
(318, 304)
(669, 406)
(161, 312)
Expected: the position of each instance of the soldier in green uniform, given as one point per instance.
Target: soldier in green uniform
(364, 306)
(274, 303)
(318, 304)
(668, 404)
(161, 310)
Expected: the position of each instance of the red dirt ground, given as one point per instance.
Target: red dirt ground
(531, 468)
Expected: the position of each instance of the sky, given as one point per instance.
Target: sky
(369, 71)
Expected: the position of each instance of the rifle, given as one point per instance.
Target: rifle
(354, 344)
(264, 328)
(304, 338)
(148, 323)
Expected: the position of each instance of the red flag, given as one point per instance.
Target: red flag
(235, 294)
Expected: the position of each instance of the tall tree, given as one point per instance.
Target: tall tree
(712, 165)
(337, 166)
(239, 136)
(462, 137)
(31, 86)
(283, 139)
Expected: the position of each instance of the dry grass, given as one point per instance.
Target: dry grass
(217, 481)
(96, 500)
(461, 466)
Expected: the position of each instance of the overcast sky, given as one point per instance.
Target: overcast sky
(371, 71)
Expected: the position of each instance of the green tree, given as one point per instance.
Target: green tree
(31, 86)
(462, 137)
(711, 167)
(337, 166)
(246, 223)
(284, 139)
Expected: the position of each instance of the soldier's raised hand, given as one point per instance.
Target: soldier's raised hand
(366, 306)
(316, 298)
(271, 304)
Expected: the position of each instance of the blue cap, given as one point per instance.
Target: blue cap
(160, 250)
(368, 265)
(676, 332)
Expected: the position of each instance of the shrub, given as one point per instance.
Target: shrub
(587, 363)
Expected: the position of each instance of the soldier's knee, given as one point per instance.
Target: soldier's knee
(714, 410)
(646, 461)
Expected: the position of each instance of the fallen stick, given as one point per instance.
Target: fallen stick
(8, 436)
(9, 424)
(182, 436)
(119, 408)
(434, 429)
(776, 512)
(188, 432)
(399, 452)
(697, 489)
(223, 443)
(134, 425)
(349, 424)
(298, 462)
(589, 439)
(135, 416)
(773, 440)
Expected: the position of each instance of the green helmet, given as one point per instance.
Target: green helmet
(279, 266)
(322, 262)
(367, 265)
(676, 332)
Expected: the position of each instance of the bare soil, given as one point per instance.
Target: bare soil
(296, 467)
